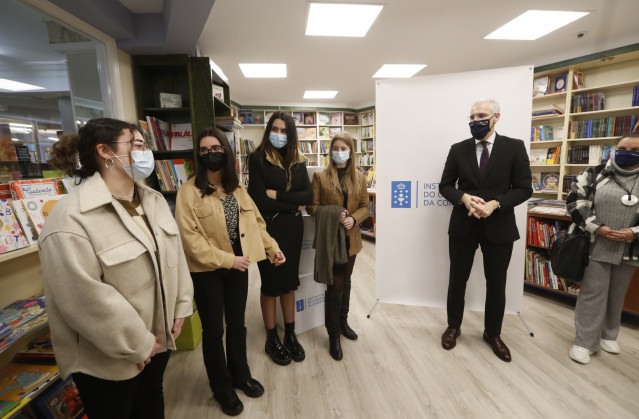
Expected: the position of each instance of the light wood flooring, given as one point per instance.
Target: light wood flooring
(398, 369)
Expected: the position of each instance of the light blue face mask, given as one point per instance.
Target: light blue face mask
(143, 165)
(340, 157)
(278, 140)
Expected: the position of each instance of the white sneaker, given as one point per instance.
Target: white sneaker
(580, 354)
(610, 346)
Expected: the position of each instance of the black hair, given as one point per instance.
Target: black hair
(230, 180)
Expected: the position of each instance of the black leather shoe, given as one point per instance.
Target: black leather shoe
(449, 338)
(230, 403)
(335, 348)
(347, 331)
(294, 348)
(499, 347)
(251, 387)
(274, 348)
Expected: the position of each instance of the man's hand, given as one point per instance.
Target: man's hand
(469, 202)
(484, 210)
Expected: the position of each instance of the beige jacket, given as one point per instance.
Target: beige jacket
(104, 283)
(203, 228)
(326, 191)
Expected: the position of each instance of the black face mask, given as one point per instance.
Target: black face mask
(479, 129)
(214, 161)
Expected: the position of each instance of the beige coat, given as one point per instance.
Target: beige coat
(104, 283)
(326, 191)
(203, 228)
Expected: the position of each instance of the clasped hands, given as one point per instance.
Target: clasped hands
(623, 235)
(477, 207)
(346, 220)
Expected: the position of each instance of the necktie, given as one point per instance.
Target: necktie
(483, 160)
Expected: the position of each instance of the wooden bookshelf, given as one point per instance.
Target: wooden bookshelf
(613, 73)
(367, 227)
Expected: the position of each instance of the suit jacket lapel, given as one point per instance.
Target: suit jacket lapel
(471, 153)
(495, 153)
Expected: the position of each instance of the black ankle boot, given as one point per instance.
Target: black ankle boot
(273, 347)
(291, 344)
(335, 348)
(346, 330)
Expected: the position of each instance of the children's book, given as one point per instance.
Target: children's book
(39, 209)
(309, 118)
(19, 381)
(560, 83)
(11, 235)
(323, 118)
(61, 400)
(298, 117)
(20, 312)
(549, 181)
(540, 86)
(25, 223)
(336, 118)
(351, 119)
(31, 188)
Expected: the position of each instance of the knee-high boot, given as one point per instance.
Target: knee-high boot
(332, 304)
(346, 298)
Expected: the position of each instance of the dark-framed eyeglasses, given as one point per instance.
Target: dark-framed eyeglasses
(203, 151)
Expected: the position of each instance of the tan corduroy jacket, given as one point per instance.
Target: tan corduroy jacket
(104, 284)
(326, 191)
(203, 228)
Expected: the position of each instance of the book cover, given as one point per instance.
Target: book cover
(298, 117)
(25, 223)
(6, 406)
(147, 134)
(18, 381)
(551, 155)
(367, 118)
(336, 118)
(32, 188)
(538, 155)
(351, 119)
(61, 400)
(181, 137)
(540, 86)
(164, 129)
(170, 100)
(578, 80)
(38, 210)
(11, 235)
(246, 116)
(18, 313)
(323, 118)
(218, 92)
(549, 181)
(535, 184)
(154, 135)
(324, 132)
(560, 83)
(309, 118)
(310, 133)
(5, 191)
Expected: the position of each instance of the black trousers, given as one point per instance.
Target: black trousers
(138, 397)
(496, 260)
(220, 297)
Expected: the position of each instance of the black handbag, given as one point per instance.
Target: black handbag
(569, 253)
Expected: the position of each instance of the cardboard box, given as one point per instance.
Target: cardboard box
(191, 333)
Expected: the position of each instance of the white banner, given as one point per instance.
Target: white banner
(418, 120)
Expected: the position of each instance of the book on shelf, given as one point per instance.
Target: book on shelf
(602, 127)
(310, 133)
(324, 132)
(21, 381)
(61, 400)
(25, 222)
(588, 102)
(549, 181)
(351, 118)
(336, 118)
(309, 118)
(552, 110)
(578, 80)
(5, 191)
(173, 173)
(21, 317)
(560, 83)
(538, 155)
(635, 95)
(38, 210)
(170, 100)
(541, 133)
(33, 188)
(160, 132)
(246, 116)
(301, 132)
(323, 118)
(181, 136)
(146, 133)
(540, 86)
(218, 92)
(298, 117)
(552, 155)
(535, 183)
(11, 235)
(568, 180)
(367, 118)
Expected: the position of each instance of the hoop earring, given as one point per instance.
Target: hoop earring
(106, 165)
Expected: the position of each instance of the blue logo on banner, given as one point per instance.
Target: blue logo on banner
(299, 305)
(400, 194)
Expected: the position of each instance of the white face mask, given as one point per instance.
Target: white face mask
(143, 166)
(340, 157)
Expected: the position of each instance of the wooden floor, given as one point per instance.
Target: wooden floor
(398, 369)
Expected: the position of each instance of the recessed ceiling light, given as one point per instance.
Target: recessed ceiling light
(16, 86)
(534, 24)
(320, 94)
(341, 19)
(398, 71)
(264, 70)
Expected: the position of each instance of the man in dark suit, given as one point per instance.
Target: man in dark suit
(485, 177)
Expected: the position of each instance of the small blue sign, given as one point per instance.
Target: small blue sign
(299, 305)
(400, 194)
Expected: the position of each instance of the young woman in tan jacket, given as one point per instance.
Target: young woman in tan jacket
(116, 281)
(341, 184)
(223, 233)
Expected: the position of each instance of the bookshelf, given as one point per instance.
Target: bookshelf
(610, 74)
(193, 80)
(539, 229)
(315, 129)
(367, 227)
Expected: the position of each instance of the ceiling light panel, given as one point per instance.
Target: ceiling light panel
(341, 19)
(398, 71)
(534, 24)
(320, 94)
(265, 71)
(16, 86)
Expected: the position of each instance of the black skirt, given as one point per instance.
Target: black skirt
(287, 228)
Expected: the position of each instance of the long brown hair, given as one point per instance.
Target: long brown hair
(229, 176)
(349, 183)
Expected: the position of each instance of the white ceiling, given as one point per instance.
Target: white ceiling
(445, 34)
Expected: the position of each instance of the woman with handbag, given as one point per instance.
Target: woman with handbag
(604, 202)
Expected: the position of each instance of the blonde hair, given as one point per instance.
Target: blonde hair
(350, 183)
